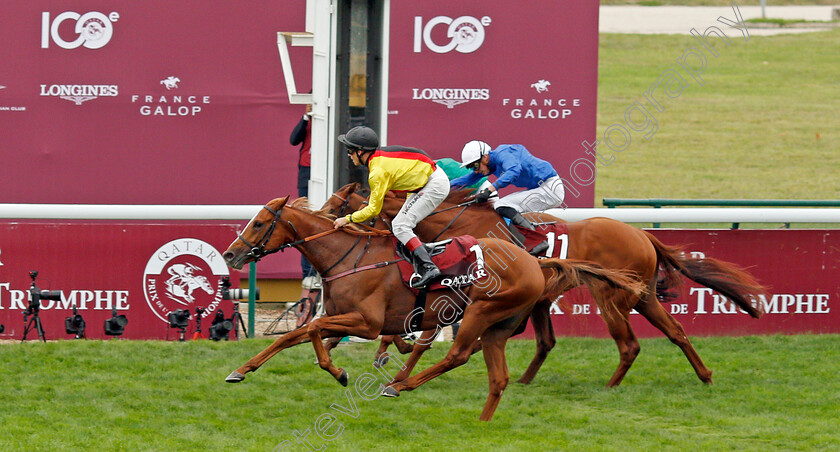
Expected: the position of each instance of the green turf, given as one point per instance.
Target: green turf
(770, 393)
(764, 125)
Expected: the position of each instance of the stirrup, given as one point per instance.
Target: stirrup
(427, 277)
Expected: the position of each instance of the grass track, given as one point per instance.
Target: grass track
(771, 393)
(766, 123)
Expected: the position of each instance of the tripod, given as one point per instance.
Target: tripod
(236, 324)
(34, 321)
(34, 307)
(197, 334)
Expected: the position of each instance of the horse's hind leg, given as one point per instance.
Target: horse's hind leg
(617, 317)
(544, 332)
(285, 341)
(494, 339)
(656, 314)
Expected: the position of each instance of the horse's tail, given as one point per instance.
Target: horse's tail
(728, 279)
(569, 273)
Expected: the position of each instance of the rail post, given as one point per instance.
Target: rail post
(252, 297)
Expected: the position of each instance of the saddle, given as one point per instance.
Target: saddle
(556, 234)
(459, 267)
(455, 259)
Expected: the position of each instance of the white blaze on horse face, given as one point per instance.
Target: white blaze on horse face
(247, 227)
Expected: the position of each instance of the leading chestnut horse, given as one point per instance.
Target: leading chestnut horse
(367, 296)
(610, 243)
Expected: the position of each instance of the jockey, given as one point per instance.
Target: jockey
(512, 164)
(398, 168)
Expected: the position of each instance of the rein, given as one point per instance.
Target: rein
(463, 207)
(258, 249)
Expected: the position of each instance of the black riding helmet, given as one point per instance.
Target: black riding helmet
(360, 137)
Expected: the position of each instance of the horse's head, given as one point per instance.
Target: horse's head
(340, 202)
(266, 233)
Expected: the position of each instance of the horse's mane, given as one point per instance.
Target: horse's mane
(302, 204)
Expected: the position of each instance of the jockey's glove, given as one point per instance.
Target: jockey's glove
(483, 195)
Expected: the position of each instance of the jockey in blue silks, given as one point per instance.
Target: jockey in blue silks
(512, 164)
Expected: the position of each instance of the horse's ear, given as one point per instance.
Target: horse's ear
(349, 188)
(278, 203)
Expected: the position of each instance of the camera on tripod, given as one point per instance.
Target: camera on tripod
(115, 326)
(75, 324)
(221, 327)
(36, 295)
(236, 294)
(179, 319)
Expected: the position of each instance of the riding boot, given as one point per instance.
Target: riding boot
(516, 219)
(424, 267)
(539, 249)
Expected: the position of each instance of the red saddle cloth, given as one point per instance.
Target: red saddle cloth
(458, 264)
(557, 235)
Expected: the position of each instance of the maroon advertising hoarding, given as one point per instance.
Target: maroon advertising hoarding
(143, 271)
(147, 271)
(147, 102)
(461, 71)
(801, 268)
(152, 102)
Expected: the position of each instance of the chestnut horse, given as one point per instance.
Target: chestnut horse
(610, 243)
(367, 296)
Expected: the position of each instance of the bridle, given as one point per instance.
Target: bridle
(344, 207)
(258, 249)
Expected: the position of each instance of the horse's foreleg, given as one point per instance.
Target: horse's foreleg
(423, 343)
(403, 346)
(331, 343)
(379, 360)
(285, 341)
(351, 324)
(472, 326)
(544, 332)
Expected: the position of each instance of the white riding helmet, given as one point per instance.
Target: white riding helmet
(473, 151)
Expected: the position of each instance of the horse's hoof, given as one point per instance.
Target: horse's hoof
(390, 392)
(381, 361)
(234, 377)
(343, 378)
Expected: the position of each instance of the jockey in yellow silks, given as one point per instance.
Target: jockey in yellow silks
(398, 168)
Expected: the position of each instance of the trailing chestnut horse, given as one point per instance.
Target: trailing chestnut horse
(610, 243)
(368, 298)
